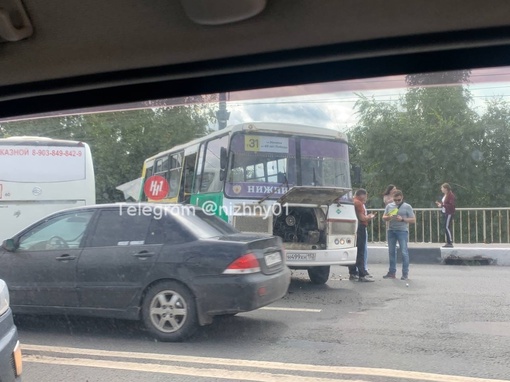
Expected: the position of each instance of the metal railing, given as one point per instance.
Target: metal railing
(470, 226)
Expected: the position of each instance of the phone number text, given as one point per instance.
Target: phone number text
(57, 153)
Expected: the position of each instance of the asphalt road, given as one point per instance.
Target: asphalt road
(450, 323)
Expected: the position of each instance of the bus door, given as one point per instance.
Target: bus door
(211, 168)
(188, 174)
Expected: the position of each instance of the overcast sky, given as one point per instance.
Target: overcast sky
(332, 104)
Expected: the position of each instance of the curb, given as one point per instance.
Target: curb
(378, 254)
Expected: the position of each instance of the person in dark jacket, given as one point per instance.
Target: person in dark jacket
(447, 205)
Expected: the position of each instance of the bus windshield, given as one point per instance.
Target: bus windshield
(268, 163)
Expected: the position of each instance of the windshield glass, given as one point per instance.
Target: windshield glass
(272, 163)
(288, 163)
(205, 226)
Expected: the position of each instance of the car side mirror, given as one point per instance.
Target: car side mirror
(9, 245)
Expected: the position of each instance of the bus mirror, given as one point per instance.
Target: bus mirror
(223, 163)
(223, 158)
(356, 175)
(9, 245)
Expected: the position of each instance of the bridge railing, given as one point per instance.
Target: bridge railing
(470, 226)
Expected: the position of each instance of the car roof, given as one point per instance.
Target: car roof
(137, 205)
(66, 54)
(259, 127)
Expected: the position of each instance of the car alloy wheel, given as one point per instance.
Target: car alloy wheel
(169, 311)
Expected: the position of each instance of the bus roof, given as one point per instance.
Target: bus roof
(38, 141)
(262, 127)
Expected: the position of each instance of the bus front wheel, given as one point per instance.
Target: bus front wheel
(318, 275)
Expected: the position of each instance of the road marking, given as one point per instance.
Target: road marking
(292, 309)
(237, 375)
(171, 369)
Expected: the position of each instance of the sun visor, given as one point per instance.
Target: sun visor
(322, 196)
(14, 22)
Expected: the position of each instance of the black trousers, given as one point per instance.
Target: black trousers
(447, 225)
(361, 242)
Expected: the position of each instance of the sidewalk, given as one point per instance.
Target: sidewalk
(433, 253)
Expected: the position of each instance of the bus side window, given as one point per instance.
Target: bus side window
(173, 182)
(174, 174)
(209, 167)
(199, 176)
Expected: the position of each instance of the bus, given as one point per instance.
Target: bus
(39, 176)
(288, 180)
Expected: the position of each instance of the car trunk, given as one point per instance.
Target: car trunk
(268, 249)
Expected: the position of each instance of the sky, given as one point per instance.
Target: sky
(332, 104)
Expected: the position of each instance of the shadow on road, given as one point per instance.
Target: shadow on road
(240, 329)
(236, 328)
(80, 326)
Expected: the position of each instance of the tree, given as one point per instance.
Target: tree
(120, 141)
(493, 155)
(439, 78)
(430, 136)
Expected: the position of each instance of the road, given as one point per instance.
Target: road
(450, 323)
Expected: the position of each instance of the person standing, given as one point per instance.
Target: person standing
(387, 199)
(360, 198)
(388, 194)
(399, 215)
(447, 205)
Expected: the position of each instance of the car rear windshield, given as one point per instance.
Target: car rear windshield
(205, 226)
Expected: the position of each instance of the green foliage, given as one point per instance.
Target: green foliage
(120, 141)
(430, 136)
(439, 78)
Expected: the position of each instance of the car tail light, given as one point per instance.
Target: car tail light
(247, 263)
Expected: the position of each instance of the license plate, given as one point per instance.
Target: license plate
(273, 258)
(300, 256)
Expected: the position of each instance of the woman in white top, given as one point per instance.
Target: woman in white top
(388, 198)
(388, 194)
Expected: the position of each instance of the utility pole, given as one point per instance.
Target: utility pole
(222, 115)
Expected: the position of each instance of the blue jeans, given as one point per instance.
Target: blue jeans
(403, 238)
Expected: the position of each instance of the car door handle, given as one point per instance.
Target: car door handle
(65, 257)
(144, 255)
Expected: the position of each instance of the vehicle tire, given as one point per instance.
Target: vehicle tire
(318, 275)
(169, 311)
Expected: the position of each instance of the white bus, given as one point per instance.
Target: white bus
(288, 180)
(39, 176)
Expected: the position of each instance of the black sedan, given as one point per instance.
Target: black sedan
(10, 351)
(172, 266)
